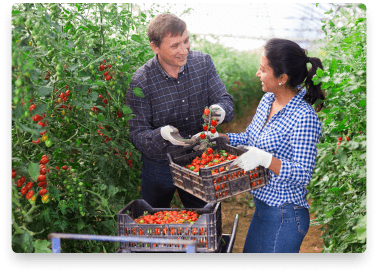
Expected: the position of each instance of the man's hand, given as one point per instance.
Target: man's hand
(172, 135)
(217, 112)
(253, 158)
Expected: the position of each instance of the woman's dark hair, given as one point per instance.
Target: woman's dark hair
(287, 57)
(163, 25)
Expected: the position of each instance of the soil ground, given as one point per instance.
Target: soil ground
(241, 204)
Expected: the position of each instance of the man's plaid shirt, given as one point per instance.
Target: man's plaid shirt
(177, 102)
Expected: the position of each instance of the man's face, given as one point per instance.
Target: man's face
(173, 51)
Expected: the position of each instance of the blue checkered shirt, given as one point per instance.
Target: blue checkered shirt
(177, 102)
(291, 135)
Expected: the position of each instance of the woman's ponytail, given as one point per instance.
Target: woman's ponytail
(314, 92)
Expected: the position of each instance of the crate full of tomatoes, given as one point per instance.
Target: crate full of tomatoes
(205, 174)
(139, 219)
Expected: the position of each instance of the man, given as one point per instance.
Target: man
(177, 85)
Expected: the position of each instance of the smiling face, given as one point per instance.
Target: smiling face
(269, 82)
(173, 51)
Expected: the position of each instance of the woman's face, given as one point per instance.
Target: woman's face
(265, 73)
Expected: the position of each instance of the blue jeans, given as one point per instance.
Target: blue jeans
(277, 229)
(158, 188)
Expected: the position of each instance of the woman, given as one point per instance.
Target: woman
(282, 137)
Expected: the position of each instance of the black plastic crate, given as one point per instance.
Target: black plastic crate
(207, 230)
(226, 244)
(217, 187)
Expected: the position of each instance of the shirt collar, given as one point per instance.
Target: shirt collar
(293, 103)
(160, 68)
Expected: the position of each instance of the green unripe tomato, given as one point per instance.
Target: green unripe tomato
(16, 100)
(72, 190)
(78, 189)
(17, 91)
(19, 82)
(49, 143)
(75, 179)
(80, 195)
(79, 200)
(73, 170)
(68, 187)
(65, 182)
(81, 184)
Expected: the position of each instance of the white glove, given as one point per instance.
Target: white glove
(172, 135)
(217, 112)
(207, 133)
(253, 158)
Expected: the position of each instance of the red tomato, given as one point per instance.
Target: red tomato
(203, 135)
(205, 127)
(213, 122)
(213, 129)
(209, 150)
(41, 178)
(44, 160)
(23, 190)
(37, 142)
(108, 77)
(64, 167)
(206, 111)
(29, 195)
(32, 107)
(29, 185)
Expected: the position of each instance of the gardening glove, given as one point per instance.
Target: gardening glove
(253, 158)
(172, 135)
(217, 112)
(197, 139)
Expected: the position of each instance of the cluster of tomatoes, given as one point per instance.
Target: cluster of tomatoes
(102, 67)
(169, 217)
(213, 124)
(107, 139)
(340, 139)
(63, 97)
(210, 158)
(27, 189)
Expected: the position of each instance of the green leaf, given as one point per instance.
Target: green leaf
(136, 38)
(17, 112)
(42, 246)
(362, 103)
(40, 109)
(126, 110)
(70, 44)
(362, 6)
(34, 170)
(319, 72)
(138, 92)
(44, 91)
(80, 225)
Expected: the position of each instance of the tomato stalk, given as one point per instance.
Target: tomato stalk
(21, 144)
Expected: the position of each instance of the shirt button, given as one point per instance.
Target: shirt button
(186, 118)
(190, 135)
(183, 101)
(178, 82)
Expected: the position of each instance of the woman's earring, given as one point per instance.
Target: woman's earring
(280, 84)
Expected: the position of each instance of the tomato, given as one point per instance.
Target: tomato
(347, 138)
(209, 150)
(29, 194)
(14, 173)
(22, 179)
(44, 138)
(102, 67)
(213, 122)
(100, 96)
(105, 101)
(42, 192)
(104, 61)
(32, 199)
(37, 142)
(42, 184)
(204, 155)
(19, 183)
(203, 135)
(23, 190)
(41, 178)
(32, 107)
(45, 198)
(44, 160)
(106, 73)
(109, 66)
(64, 167)
(48, 143)
(37, 118)
(29, 185)
(108, 77)
(213, 130)
(205, 127)
(206, 111)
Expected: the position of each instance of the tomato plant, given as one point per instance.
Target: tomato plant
(60, 53)
(338, 186)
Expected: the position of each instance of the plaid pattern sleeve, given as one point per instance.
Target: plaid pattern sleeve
(291, 135)
(177, 102)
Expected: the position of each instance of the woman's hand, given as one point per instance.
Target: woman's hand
(253, 158)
